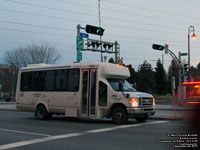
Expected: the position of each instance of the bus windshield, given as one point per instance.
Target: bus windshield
(120, 85)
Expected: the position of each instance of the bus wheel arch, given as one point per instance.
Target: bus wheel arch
(41, 112)
(119, 113)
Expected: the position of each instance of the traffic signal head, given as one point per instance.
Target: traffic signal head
(158, 47)
(94, 30)
(185, 69)
(94, 44)
(107, 46)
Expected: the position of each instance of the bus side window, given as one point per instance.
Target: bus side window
(26, 81)
(102, 94)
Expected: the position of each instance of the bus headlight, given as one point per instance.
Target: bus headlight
(134, 102)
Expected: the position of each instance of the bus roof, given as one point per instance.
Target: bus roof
(108, 69)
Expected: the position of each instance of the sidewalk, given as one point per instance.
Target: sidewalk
(8, 106)
(163, 111)
(173, 112)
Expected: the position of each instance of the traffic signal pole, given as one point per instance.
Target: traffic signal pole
(177, 61)
(78, 34)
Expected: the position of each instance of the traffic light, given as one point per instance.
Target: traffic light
(94, 44)
(94, 30)
(158, 47)
(185, 69)
(107, 46)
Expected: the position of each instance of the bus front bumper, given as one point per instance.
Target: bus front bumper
(141, 112)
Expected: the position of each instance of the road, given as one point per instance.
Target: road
(22, 131)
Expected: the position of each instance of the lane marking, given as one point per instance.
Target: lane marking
(34, 141)
(123, 126)
(23, 132)
(50, 138)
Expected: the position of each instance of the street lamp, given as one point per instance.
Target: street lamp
(190, 30)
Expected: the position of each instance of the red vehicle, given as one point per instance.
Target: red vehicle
(192, 91)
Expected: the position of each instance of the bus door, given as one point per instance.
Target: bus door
(88, 100)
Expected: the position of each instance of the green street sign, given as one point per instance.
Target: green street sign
(79, 56)
(79, 43)
(1, 86)
(184, 54)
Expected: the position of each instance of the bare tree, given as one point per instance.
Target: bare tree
(32, 54)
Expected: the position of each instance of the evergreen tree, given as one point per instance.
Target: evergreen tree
(146, 80)
(133, 75)
(198, 66)
(160, 78)
(111, 60)
(173, 72)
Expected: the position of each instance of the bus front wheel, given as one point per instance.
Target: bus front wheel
(41, 113)
(119, 115)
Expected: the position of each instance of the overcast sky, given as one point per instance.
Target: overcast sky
(135, 24)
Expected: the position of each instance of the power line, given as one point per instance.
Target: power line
(35, 32)
(11, 22)
(123, 20)
(41, 15)
(147, 9)
(51, 8)
(125, 12)
(74, 36)
(142, 29)
(20, 43)
(33, 25)
(66, 19)
(143, 38)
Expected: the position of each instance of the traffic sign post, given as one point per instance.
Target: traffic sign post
(79, 47)
(79, 43)
(79, 56)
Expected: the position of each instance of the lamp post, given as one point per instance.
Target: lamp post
(190, 30)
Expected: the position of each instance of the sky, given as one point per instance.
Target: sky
(134, 24)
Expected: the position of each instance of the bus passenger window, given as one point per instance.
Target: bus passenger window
(73, 80)
(102, 94)
(26, 81)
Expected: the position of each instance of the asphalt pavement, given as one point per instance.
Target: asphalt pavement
(21, 130)
(164, 111)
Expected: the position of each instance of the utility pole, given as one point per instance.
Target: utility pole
(163, 59)
(100, 27)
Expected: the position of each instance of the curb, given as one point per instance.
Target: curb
(170, 109)
(7, 103)
(165, 118)
(9, 109)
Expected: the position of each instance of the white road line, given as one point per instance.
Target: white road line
(22, 132)
(34, 141)
(123, 126)
(50, 138)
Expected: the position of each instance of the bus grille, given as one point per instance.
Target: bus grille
(146, 101)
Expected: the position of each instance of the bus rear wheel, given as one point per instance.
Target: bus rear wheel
(119, 115)
(41, 113)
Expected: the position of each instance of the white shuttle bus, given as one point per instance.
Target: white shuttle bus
(81, 90)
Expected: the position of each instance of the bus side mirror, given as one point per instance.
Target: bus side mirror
(134, 85)
(127, 95)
